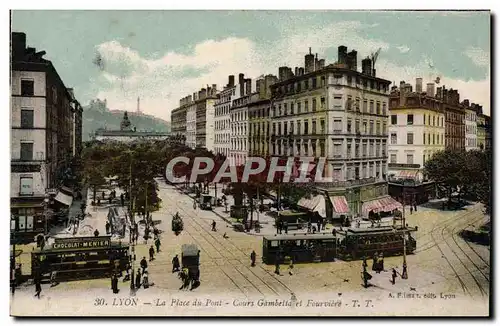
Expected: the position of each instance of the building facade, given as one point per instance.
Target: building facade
(258, 118)
(191, 122)
(454, 118)
(416, 130)
(128, 133)
(178, 118)
(205, 117)
(45, 135)
(222, 118)
(470, 126)
(338, 113)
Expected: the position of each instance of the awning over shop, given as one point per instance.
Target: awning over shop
(66, 190)
(340, 205)
(406, 174)
(314, 204)
(64, 199)
(385, 204)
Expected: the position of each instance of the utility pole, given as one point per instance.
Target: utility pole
(404, 275)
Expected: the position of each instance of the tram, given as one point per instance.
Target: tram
(300, 248)
(350, 244)
(80, 258)
(355, 244)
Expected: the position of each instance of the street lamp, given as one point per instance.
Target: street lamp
(404, 275)
(46, 212)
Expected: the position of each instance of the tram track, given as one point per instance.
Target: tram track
(226, 257)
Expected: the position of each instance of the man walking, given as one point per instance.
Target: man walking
(108, 226)
(253, 256)
(157, 244)
(144, 264)
(213, 226)
(38, 286)
(394, 275)
(175, 264)
(151, 253)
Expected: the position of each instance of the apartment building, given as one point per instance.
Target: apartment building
(45, 136)
(178, 118)
(416, 130)
(341, 114)
(454, 118)
(205, 117)
(222, 118)
(191, 122)
(239, 120)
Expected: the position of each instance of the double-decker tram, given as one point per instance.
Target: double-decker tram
(355, 244)
(80, 258)
(298, 247)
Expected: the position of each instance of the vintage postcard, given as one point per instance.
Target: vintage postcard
(250, 163)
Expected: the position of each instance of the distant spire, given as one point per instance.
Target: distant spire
(138, 105)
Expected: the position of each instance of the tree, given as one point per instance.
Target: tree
(447, 169)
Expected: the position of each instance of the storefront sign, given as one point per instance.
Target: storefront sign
(82, 243)
(403, 165)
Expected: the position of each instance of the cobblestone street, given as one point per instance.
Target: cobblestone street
(443, 263)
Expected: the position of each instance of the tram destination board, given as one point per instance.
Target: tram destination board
(81, 243)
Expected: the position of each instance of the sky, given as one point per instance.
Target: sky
(162, 56)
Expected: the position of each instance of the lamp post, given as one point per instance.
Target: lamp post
(46, 212)
(404, 275)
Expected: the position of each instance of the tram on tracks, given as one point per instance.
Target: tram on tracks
(80, 258)
(349, 244)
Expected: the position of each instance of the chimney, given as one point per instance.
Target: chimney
(248, 86)
(418, 85)
(402, 93)
(214, 89)
(342, 54)
(241, 83)
(316, 63)
(352, 60)
(301, 71)
(18, 45)
(439, 93)
(321, 63)
(296, 71)
(430, 89)
(466, 102)
(366, 66)
(309, 62)
(231, 81)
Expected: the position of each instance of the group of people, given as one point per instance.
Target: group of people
(320, 225)
(277, 270)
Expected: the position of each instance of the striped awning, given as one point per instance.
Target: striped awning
(314, 204)
(64, 199)
(339, 204)
(385, 204)
(407, 174)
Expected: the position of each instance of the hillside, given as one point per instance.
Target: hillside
(97, 115)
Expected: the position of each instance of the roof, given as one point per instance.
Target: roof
(189, 250)
(299, 236)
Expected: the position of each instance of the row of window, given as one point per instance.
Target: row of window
(427, 139)
(222, 124)
(428, 120)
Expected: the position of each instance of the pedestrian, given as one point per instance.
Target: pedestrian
(96, 233)
(114, 283)
(108, 226)
(157, 244)
(103, 197)
(381, 262)
(151, 253)
(290, 267)
(144, 264)
(285, 226)
(38, 286)
(122, 200)
(318, 223)
(145, 280)
(415, 207)
(225, 236)
(411, 210)
(175, 264)
(127, 273)
(309, 227)
(278, 226)
(375, 261)
(324, 224)
(394, 275)
(253, 256)
(214, 225)
(277, 268)
(138, 280)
